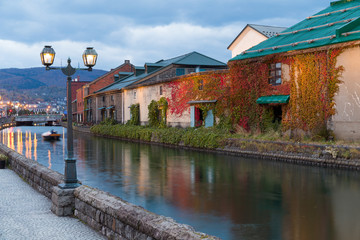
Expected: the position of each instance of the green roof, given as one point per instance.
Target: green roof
(273, 99)
(338, 23)
(194, 59)
(190, 59)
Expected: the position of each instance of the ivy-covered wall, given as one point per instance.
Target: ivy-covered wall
(315, 80)
(312, 80)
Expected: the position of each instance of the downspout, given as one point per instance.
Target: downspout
(123, 109)
(96, 110)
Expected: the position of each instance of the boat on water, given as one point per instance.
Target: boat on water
(51, 135)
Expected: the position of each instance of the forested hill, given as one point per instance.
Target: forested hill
(30, 78)
(36, 83)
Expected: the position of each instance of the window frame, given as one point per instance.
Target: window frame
(180, 71)
(275, 74)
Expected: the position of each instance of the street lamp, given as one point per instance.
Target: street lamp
(89, 56)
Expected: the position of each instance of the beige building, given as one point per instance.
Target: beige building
(152, 84)
(346, 122)
(143, 94)
(250, 36)
(144, 85)
(108, 102)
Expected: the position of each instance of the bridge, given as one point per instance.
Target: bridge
(30, 120)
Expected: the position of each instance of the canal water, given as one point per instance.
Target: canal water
(226, 196)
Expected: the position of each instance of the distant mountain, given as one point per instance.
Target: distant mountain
(16, 82)
(30, 78)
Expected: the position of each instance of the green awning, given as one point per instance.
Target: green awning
(273, 99)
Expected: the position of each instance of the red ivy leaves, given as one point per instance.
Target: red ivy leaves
(314, 80)
(187, 88)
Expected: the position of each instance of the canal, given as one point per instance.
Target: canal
(226, 196)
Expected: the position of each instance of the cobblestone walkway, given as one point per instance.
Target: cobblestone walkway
(25, 214)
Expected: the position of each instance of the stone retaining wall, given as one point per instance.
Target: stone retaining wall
(38, 176)
(84, 129)
(347, 157)
(118, 219)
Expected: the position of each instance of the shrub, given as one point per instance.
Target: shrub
(3, 158)
(200, 137)
(109, 121)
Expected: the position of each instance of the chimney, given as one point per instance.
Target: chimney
(127, 61)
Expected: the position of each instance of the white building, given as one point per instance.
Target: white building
(252, 35)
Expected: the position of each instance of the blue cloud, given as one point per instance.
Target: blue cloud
(141, 30)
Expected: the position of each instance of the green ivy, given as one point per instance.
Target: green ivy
(153, 114)
(157, 113)
(135, 114)
(163, 106)
(267, 120)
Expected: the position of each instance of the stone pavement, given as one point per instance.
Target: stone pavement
(25, 214)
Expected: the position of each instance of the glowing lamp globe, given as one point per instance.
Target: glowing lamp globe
(89, 57)
(47, 56)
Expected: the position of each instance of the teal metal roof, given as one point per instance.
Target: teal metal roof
(119, 84)
(192, 59)
(338, 23)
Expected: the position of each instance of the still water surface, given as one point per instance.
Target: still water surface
(225, 196)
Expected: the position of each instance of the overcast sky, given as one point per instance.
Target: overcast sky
(138, 30)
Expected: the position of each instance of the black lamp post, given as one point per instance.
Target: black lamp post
(47, 58)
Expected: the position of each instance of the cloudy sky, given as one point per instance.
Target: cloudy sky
(138, 30)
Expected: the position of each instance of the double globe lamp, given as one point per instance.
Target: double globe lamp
(89, 56)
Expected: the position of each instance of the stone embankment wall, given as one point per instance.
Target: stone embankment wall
(83, 129)
(108, 214)
(38, 176)
(347, 157)
(118, 219)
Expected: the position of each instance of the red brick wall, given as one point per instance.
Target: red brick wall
(97, 84)
(74, 87)
(80, 100)
(108, 78)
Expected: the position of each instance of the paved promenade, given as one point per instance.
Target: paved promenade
(25, 214)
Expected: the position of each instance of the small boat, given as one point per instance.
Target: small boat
(51, 135)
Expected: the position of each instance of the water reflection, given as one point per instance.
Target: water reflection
(25, 140)
(230, 197)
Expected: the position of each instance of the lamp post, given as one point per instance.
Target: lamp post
(89, 56)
